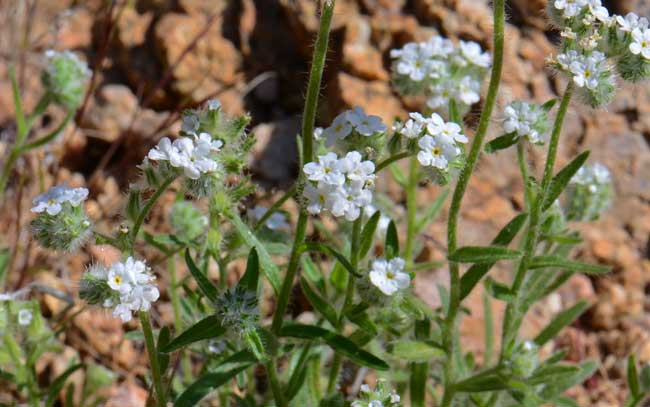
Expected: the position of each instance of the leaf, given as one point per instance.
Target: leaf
(339, 343)
(398, 175)
(644, 378)
(368, 234)
(270, 270)
(417, 351)
(207, 288)
(562, 178)
(483, 254)
(250, 279)
(392, 242)
(358, 316)
(549, 104)
(164, 335)
(204, 385)
(586, 370)
(563, 319)
(432, 211)
(633, 377)
(489, 380)
(319, 303)
(501, 142)
(255, 344)
(4, 263)
(326, 249)
(207, 328)
(313, 273)
(553, 261)
(58, 383)
(498, 290)
(551, 374)
(474, 274)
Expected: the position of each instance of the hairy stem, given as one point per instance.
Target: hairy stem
(308, 119)
(276, 388)
(349, 297)
(153, 359)
(411, 209)
(275, 207)
(512, 318)
(147, 208)
(523, 168)
(393, 158)
(454, 211)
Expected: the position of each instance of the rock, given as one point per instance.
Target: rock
(75, 29)
(210, 65)
(360, 58)
(275, 152)
(128, 394)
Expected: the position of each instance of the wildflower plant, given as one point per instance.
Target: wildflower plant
(355, 267)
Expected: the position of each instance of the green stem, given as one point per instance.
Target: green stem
(275, 207)
(276, 388)
(147, 208)
(411, 209)
(449, 327)
(46, 139)
(153, 358)
(347, 301)
(178, 318)
(512, 319)
(393, 158)
(308, 119)
(523, 168)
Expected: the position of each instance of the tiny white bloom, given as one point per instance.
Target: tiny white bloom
(24, 317)
(389, 276)
(190, 123)
(52, 201)
(473, 54)
(641, 42)
(361, 173)
(436, 151)
(411, 129)
(339, 129)
(468, 90)
(214, 104)
(364, 124)
(375, 403)
(326, 170)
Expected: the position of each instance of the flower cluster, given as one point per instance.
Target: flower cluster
(380, 396)
(589, 193)
(61, 223)
(194, 154)
(65, 78)
(526, 120)
(441, 71)
(389, 276)
(342, 186)
(125, 285)
(354, 126)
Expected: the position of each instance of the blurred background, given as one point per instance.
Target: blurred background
(153, 58)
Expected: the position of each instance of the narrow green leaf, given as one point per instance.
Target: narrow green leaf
(566, 402)
(326, 249)
(204, 385)
(368, 234)
(4, 263)
(207, 328)
(549, 104)
(562, 178)
(551, 374)
(501, 142)
(58, 383)
(633, 377)
(432, 211)
(483, 254)
(164, 336)
(417, 351)
(474, 274)
(207, 288)
(489, 380)
(339, 343)
(319, 303)
(392, 241)
(563, 319)
(313, 273)
(270, 270)
(586, 370)
(644, 378)
(498, 290)
(250, 279)
(255, 344)
(553, 261)
(21, 124)
(358, 316)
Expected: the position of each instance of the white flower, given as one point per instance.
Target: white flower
(586, 72)
(364, 124)
(389, 276)
(360, 173)
(207, 144)
(214, 104)
(375, 403)
(441, 94)
(565, 60)
(468, 90)
(24, 317)
(132, 282)
(570, 8)
(317, 199)
(190, 123)
(5, 297)
(194, 156)
(123, 311)
(122, 277)
(326, 170)
(630, 22)
(52, 201)
(364, 388)
(277, 220)
(411, 129)
(318, 133)
(453, 131)
(395, 398)
(435, 124)
(592, 174)
(437, 151)
(597, 10)
(473, 54)
(413, 65)
(641, 42)
(339, 129)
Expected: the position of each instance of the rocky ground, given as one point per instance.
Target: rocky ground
(152, 58)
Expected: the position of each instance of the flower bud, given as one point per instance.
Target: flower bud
(238, 310)
(93, 286)
(65, 78)
(187, 221)
(526, 359)
(589, 193)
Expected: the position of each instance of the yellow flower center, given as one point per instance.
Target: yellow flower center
(117, 279)
(436, 151)
(390, 275)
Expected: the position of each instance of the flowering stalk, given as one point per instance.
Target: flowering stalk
(454, 211)
(347, 301)
(523, 167)
(153, 358)
(308, 119)
(411, 208)
(513, 315)
(145, 211)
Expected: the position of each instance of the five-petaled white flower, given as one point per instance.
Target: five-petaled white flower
(364, 124)
(437, 151)
(25, 317)
(131, 280)
(641, 42)
(53, 200)
(389, 276)
(339, 129)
